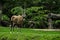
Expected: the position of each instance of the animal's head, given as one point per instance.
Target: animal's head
(24, 15)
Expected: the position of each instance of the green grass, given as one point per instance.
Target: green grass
(28, 34)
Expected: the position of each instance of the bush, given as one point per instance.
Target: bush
(57, 24)
(5, 17)
(17, 10)
(37, 14)
(33, 13)
(5, 20)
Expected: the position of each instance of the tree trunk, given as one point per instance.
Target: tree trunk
(49, 21)
(0, 16)
(0, 12)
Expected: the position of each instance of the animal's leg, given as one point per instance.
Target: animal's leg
(13, 27)
(16, 26)
(19, 26)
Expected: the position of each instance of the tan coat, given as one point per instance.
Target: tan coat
(17, 19)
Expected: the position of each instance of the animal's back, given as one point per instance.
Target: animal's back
(20, 19)
(17, 19)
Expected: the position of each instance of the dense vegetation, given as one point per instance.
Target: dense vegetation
(36, 14)
(35, 10)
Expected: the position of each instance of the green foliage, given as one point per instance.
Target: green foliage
(5, 18)
(37, 15)
(34, 9)
(57, 21)
(36, 1)
(17, 10)
(33, 13)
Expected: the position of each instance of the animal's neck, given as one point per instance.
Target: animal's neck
(24, 15)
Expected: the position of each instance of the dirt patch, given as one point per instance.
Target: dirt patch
(47, 29)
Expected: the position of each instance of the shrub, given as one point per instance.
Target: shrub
(17, 10)
(5, 17)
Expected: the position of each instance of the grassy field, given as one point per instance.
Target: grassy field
(28, 34)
